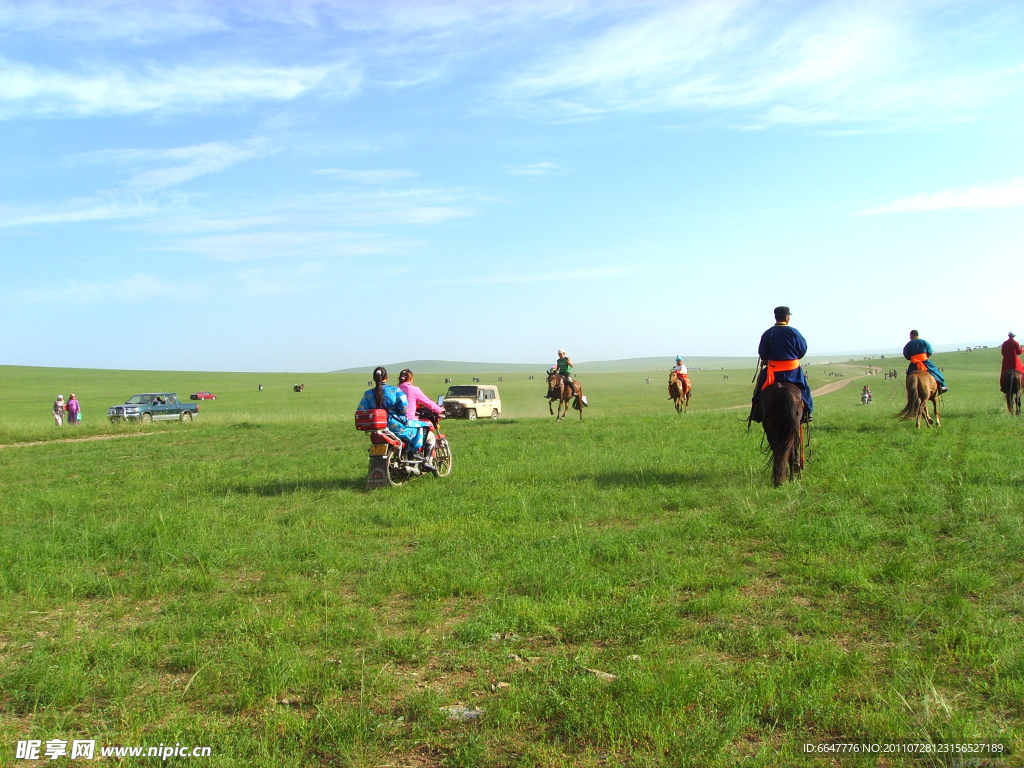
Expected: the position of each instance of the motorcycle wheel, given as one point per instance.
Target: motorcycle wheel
(443, 458)
(395, 474)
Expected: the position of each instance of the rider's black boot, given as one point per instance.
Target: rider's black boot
(755, 413)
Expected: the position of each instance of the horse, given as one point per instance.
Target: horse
(679, 398)
(1013, 385)
(921, 387)
(565, 395)
(782, 411)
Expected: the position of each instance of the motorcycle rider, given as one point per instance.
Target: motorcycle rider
(394, 401)
(419, 400)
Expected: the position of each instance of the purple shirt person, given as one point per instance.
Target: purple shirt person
(72, 408)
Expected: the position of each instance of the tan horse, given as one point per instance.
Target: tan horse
(565, 395)
(1013, 385)
(921, 387)
(782, 411)
(680, 399)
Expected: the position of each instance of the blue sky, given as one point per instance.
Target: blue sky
(318, 185)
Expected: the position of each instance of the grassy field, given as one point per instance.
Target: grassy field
(231, 584)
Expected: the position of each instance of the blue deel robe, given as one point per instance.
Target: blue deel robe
(784, 342)
(397, 405)
(916, 347)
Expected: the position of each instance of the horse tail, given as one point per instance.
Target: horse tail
(782, 428)
(790, 413)
(913, 406)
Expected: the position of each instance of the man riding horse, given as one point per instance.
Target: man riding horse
(780, 350)
(917, 351)
(1011, 350)
(563, 367)
(679, 369)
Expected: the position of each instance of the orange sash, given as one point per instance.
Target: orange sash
(919, 361)
(779, 365)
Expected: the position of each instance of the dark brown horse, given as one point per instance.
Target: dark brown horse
(1012, 386)
(565, 395)
(782, 411)
(679, 398)
(921, 387)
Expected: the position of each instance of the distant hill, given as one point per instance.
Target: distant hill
(450, 366)
(629, 365)
(598, 366)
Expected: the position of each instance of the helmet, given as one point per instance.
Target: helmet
(561, 351)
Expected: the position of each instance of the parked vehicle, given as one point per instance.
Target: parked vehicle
(471, 401)
(202, 396)
(390, 462)
(153, 406)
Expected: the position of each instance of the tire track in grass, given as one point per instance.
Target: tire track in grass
(75, 440)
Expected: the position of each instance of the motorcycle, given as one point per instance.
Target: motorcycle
(865, 398)
(391, 461)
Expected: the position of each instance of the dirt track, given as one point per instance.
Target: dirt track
(75, 440)
(834, 386)
(837, 385)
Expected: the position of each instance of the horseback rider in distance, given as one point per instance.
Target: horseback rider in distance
(1011, 351)
(679, 369)
(563, 366)
(780, 351)
(917, 351)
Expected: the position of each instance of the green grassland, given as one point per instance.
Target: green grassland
(230, 582)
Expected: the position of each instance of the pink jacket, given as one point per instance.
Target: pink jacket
(416, 399)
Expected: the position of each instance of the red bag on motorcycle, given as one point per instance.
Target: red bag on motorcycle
(368, 421)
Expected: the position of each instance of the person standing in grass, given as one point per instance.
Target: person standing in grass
(1011, 350)
(58, 410)
(781, 349)
(72, 409)
(917, 351)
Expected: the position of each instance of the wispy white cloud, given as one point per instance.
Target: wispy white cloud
(595, 272)
(306, 277)
(248, 246)
(186, 163)
(544, 168)
(769, 64)
(76, 211)
(372, 208)
(370, 177)
(172, 214)
(26, 89)
(100, 20)
(134, 288)
(1005, 194)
